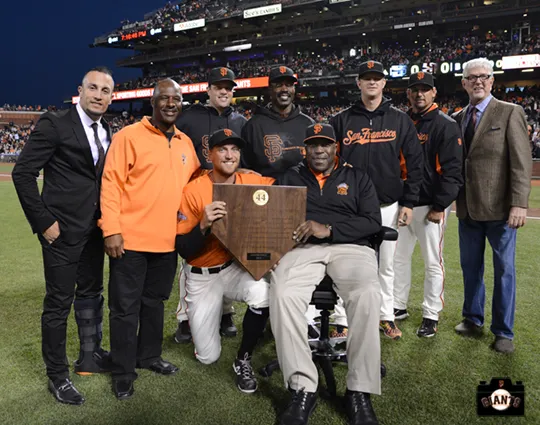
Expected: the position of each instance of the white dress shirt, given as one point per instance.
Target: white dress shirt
(102, 133)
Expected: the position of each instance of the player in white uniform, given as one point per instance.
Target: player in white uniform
(443, 151)
(210, 272)
(198, 123)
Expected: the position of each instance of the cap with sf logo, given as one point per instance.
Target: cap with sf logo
(424, 78)
(221, 74)
(281, 72)
(370, 67)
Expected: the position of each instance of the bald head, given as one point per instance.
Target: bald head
(164, 84)
(166, 104)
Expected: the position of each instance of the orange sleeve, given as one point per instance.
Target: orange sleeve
(117, 164)
(268, 181)
(190, 214)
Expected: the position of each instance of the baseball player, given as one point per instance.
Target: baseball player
(443, 151)
(199, 122)
(274, 135)
(379, 138)
(211, 273)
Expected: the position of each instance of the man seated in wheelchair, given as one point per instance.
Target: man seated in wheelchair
(343, 211)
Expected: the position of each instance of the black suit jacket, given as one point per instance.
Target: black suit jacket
(71, 185)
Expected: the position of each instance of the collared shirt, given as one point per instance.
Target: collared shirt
(102, 133)
(480, 109)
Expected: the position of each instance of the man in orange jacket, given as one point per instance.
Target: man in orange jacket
(147, 167)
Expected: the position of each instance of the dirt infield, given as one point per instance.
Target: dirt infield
(5, 177)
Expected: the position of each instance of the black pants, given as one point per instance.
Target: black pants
(70, 271)
(139, 284)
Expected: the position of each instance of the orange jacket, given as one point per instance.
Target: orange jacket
(142, 186)
(197, 195)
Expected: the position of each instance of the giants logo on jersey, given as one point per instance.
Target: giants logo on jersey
(205, 148)
(274, 147)
(423, 137)
(367, 136)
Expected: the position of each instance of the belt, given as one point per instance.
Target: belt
(211, 270)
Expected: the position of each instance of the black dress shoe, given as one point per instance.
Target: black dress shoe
(227, 327)
(359, 409)
(123, 389)
(162, 367)
(300, 408)
(65, 392)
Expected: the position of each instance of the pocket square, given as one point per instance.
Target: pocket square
(495, 128)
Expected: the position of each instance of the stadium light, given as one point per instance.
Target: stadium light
(238, 48)
(527, 70)
(498, 72)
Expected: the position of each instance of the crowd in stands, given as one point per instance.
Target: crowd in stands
(462, 49)
(12, 137)
(26, 108)
(174, 12)
(531, 45)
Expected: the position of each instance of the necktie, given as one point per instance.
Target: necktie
(469, 131)
(101, 152)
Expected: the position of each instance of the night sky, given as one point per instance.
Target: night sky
(45, 51)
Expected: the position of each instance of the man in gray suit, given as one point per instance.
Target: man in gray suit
(493, 202)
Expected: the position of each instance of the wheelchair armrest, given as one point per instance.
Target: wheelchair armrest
(385, 234)
(388, 234)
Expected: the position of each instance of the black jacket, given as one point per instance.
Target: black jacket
(71, 185)
(385, 143)
(273, 143)
(348, 202)
(200, 121)
(441, 141)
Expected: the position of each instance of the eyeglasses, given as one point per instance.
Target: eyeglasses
(475, 78)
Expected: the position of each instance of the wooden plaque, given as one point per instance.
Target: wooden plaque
(260, 220)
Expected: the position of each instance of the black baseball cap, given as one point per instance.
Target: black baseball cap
(320, 131)
(225, 136)
(221, 74)
(281, 72)
(424, 78)
(373, 67)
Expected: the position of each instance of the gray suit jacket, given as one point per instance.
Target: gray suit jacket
(498, 167)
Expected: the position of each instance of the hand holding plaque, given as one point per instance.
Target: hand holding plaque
(257, 229)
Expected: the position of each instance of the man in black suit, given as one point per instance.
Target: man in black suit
(70, 147)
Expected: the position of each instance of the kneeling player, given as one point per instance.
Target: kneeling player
(211, 272)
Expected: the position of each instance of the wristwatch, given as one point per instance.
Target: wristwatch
(329, 227)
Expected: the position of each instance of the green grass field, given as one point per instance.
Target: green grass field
(429, 381)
